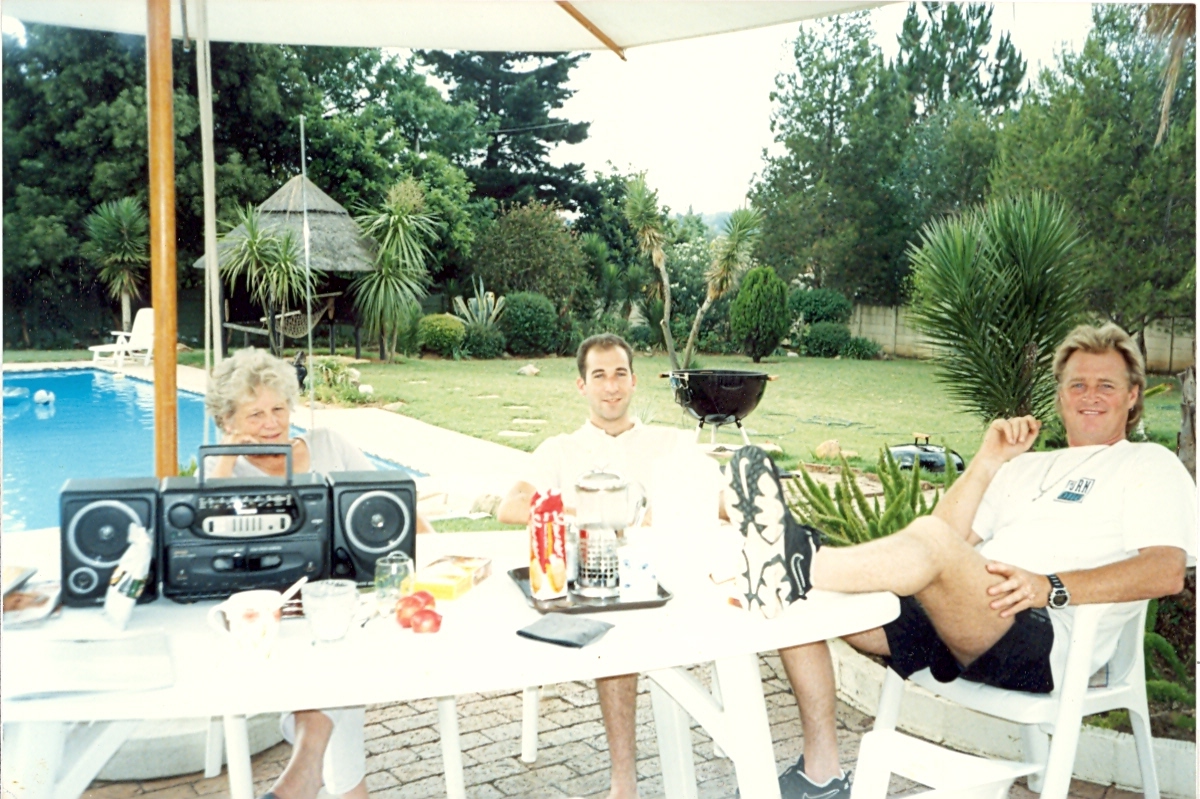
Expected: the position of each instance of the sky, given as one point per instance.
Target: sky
(695, 115)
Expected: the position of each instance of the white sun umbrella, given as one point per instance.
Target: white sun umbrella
(526, 25)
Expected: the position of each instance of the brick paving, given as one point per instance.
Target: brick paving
(404, 756)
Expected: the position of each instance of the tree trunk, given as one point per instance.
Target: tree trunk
(661, 262)
(695, 332)
(125, 323)
(1187, 433)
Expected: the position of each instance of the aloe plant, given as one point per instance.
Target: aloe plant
(846, 517)
(482, 309)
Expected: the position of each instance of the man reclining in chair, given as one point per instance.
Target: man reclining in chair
(989, 582)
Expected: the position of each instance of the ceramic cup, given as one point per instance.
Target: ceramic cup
(251, 620)
(329, 606)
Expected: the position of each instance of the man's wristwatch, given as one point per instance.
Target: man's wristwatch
(1060, 597)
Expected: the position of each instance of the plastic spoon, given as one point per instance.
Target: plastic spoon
(294, 589)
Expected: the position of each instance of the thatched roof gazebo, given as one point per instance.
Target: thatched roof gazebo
(336, 247)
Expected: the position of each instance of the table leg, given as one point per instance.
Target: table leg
(529, 724)
(672, 726)
(32, 755)
(745, 715)
(237, 757)
(451, 748)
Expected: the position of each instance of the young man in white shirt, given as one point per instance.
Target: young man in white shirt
(989, 581)
(614, 440)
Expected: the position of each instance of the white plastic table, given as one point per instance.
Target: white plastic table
(476, 650)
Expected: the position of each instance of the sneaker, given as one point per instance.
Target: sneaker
(795, 784)
(776, 549)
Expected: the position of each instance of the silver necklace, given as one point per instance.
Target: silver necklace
(1044, 489)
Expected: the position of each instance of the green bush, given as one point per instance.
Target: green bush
(530, 324)
(442, 333)
(609, 323)
(483, 341)
(639, 337)
(860, 349)
(570, 335)
(530, 248)
(826, 339)
(759, 315)
(811, 306)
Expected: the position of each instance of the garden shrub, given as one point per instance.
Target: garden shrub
(530, 248)
(570, 334)
(639, 337)
(529, 324)
(811, 306)
(483, 341)
(826, 339)
(609, 323)
(759, 315)
(442, 333)
(859, 348)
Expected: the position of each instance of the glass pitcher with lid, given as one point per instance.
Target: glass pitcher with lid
(606, 504)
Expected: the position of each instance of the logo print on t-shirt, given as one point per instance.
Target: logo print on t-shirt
(1076, 490)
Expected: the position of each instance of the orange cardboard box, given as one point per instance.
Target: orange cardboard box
(452, 576)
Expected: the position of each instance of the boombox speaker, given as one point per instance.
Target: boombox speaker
(94, 519)
(374, 514)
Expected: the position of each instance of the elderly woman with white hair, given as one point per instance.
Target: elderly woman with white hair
(251, 396)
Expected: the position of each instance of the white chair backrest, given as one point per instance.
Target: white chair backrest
(141, 335)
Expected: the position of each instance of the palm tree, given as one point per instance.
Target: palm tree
(403, 230)
(731, 257)
(996, 289)
(643, 215)
(1176, 24)
(118, 240)
(271, 264)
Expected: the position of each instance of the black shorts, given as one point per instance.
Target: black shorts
(1019, 661)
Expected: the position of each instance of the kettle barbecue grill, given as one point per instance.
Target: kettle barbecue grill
(718, 397)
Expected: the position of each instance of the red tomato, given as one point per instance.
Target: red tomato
(427, 600)
(426, 621)
(405, 610)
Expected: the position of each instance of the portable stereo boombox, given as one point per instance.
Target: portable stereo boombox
(217, 536)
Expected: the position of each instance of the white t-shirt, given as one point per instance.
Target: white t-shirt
(681, 482)
(327, 450)
(1084, 507)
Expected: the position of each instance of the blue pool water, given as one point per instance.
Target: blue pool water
(98, 426)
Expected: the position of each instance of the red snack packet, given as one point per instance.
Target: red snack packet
(547, 546)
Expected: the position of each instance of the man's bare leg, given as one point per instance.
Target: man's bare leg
(810, 672)
(301, 779)
(929, 560)
(618, 705)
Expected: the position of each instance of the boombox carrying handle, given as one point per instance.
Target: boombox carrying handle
(244, 449)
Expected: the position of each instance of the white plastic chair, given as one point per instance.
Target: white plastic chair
(951, 774)
(138, 341)
(1051, 722)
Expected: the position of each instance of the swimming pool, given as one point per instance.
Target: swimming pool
(98, 426)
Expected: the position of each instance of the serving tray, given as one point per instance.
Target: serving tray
(573, 603)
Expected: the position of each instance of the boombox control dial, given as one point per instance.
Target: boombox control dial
(181, 516)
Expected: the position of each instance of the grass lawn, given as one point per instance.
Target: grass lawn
(865, 405)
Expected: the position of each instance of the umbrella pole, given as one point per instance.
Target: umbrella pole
(212, 279)
(312, 381)
(162, 235)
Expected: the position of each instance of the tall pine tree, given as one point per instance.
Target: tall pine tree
(515, 95)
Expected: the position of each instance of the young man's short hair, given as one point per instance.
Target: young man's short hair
(1097, 341)
(603, 341)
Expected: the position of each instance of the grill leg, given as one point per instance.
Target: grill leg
(699, 431)
(745, 438)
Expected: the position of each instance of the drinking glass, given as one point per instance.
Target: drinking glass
(329, 606)
(393, 576)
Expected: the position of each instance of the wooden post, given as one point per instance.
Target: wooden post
(1187, 431)
(162, 234)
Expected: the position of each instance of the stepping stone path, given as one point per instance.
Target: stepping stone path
(514, 433)
(417, 382)
(529, 421)
(517, 407)
(488, 396)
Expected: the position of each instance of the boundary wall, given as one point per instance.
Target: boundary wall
(1170, 345)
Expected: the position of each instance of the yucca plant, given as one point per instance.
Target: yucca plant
(118, 243)
(483, 309)
(643, 215)
(996, 290)
(403, 230)
(730, 258)
(845, 515)
(271, 264)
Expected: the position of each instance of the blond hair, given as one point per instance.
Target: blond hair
(237, 378)
(1097, 341)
